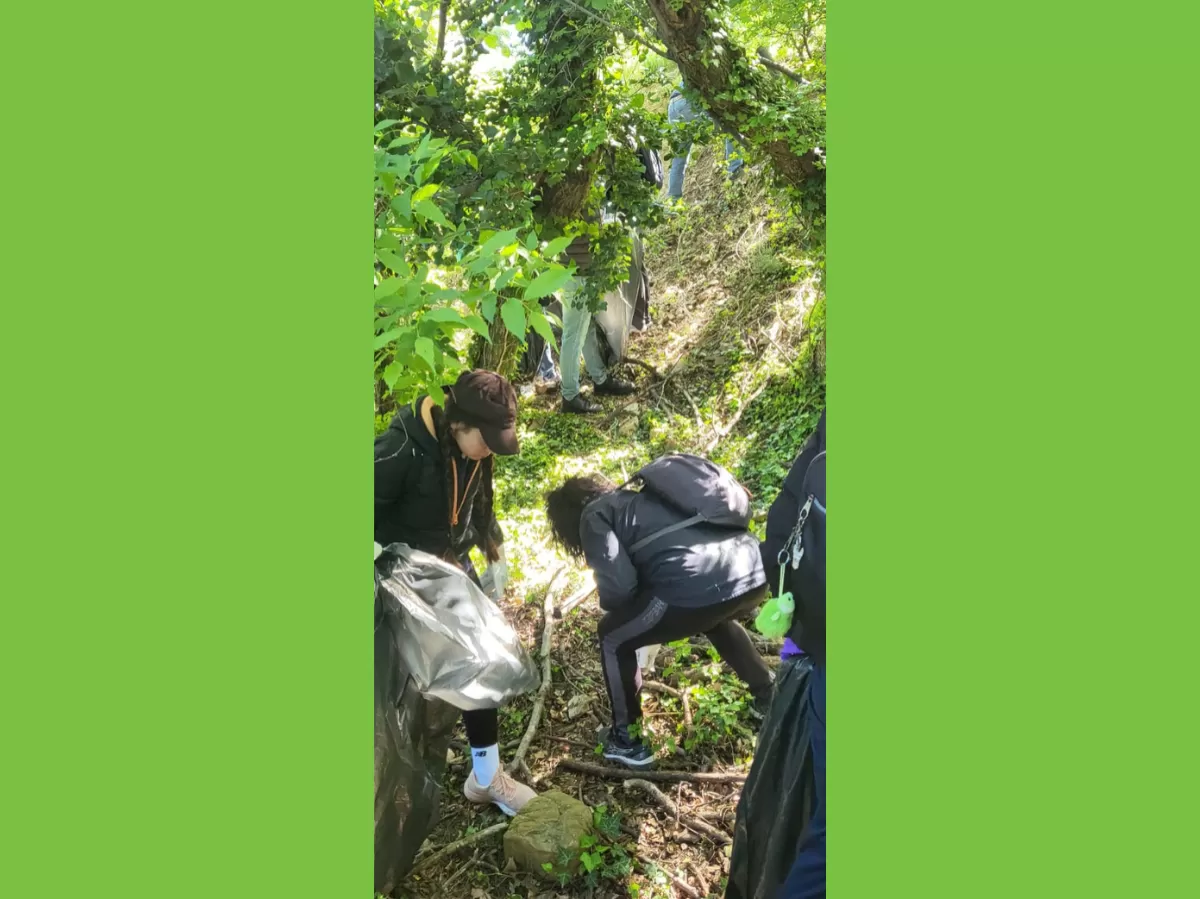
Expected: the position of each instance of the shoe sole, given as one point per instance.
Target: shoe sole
(488, 800)
(628, 762)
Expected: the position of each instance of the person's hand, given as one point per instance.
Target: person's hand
(495, 578)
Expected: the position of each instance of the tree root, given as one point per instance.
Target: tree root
(695, 824)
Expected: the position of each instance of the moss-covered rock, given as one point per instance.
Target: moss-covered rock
(547, 830)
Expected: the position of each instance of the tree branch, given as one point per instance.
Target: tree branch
(695, 824)
(716, 777)
(441, 41)
(628, 35)
(460, 844)
(539, 703)
(765, 58)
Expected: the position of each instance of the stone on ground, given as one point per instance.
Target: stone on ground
(548, 828)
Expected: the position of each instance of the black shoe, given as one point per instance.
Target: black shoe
(581, 405)
(615, 387)
(620, 747)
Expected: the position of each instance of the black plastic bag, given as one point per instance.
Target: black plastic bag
(412, 736)
(780, 792)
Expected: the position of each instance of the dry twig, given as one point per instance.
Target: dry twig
(695, 824)
(539, 703)
(713, 777)
(460, 844)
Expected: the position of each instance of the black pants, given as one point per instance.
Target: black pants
(649, 620)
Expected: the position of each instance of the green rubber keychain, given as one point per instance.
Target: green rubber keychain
(775, 619)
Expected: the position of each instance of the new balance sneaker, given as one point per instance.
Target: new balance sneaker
(620, 747)
(506, 794)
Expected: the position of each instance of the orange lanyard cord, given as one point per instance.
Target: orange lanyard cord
(455, 505)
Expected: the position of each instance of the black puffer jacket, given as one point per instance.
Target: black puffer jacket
(412, 498)
(694, 567)
(808, 621)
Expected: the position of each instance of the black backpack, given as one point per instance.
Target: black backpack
(700, 489)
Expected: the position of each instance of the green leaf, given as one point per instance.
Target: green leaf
(503, 278)
(392, 373)
(385, 124)
(403, 205)
(472, 160)
(401, 141)
(424, 349)
(488, 308)
(637, 100)
(425, 192)
(392, 261)
(388, 286)
(547, 283)
(513, 315)
(556, 246)
(479, 326)
(430, 90)
(444, 314)
(491, 40)
(531, 240)
(387, 337)
(430, 210)
(542, 327)
(496, 241)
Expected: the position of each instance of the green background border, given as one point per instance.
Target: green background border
(190, 641)
(1012, 327)
(1012, 330)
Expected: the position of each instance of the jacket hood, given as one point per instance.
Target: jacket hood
(408, 421)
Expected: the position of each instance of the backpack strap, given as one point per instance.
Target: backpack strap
(670, 529)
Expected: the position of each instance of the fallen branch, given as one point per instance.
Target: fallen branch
(580, 595)
(460, 844)
(646, 365)
(661, 688)
(714, 777)
(695, 824)
(539, 703)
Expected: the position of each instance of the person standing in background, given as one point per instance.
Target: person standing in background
(679, 111)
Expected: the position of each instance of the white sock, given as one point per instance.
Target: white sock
(485, 760)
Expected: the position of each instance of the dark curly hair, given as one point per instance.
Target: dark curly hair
(564, 508)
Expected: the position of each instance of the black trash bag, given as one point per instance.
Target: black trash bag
(780, 793)
(412, 736)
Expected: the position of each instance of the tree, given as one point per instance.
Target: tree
(784, 121)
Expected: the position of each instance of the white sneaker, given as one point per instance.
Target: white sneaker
(506, 794)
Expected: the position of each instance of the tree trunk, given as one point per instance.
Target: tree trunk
(709, 65)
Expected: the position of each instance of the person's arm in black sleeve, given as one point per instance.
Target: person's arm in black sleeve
(393, 462)
(616, 577)
(784, 512)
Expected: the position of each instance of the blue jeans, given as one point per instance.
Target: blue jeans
(679, 110)
(807, 877)
(578, 336)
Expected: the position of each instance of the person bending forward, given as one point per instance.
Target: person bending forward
(696, 580)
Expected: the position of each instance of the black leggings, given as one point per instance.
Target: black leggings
(483, 727)
(648, 620)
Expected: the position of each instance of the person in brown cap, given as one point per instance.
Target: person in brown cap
(433, 491)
